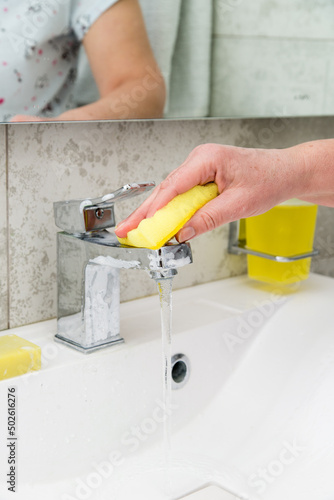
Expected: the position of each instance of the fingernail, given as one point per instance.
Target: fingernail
(117, 229)
(186, 234)
(119, 226)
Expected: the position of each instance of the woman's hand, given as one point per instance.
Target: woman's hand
(250, 182)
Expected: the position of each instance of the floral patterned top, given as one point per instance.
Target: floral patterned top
(39, 43)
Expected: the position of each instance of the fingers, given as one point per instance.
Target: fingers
(177, 183)
(138, 215)
(196, 170)
(133, 220)
(227, 207)
(205, 219)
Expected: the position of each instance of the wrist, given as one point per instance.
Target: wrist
(299, 162)
(314, 164)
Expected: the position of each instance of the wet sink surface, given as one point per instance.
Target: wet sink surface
(255, 417)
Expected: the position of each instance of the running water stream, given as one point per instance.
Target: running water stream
(165, 295)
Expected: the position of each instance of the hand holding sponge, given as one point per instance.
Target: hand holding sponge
(155, 231)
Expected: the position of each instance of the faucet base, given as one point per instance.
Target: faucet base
(87, 350)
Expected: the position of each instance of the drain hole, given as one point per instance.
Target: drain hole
(180, 370)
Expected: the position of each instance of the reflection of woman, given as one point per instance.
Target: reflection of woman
(39, 42)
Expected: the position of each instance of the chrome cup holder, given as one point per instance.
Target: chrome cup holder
(238, 246)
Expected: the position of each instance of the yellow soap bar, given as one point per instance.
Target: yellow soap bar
(18, 356)
(155, 231)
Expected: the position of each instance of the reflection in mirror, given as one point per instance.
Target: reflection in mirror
(186, 58)
(273, 58)
(39, 47)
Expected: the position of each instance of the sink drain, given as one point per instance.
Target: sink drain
(180, 370)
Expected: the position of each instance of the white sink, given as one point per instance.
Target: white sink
(255, 417)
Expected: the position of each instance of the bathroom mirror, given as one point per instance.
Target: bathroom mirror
(219, 58)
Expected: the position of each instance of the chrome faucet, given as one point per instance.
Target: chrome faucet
(89, 259)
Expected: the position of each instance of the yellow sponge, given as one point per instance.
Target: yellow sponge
(18, 356)
(155, 231)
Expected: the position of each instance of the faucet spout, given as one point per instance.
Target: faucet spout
(167, 258)
(89, 284)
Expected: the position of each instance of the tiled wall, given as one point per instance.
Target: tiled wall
(273, 58)
(50, 162)
(324, 242)
(3, 232)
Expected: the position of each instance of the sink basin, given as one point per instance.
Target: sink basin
(254, 416)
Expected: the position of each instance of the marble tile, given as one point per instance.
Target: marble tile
(323, 266)
(323, 263)
(271, 77)
(46, 163)
(272, 18)
(3, 232)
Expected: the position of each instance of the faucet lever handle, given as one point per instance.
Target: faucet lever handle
(82, 216)
(125, 192)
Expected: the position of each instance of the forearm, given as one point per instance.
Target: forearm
(313, 164)
(137, 99)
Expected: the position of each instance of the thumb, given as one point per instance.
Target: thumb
(227, 207)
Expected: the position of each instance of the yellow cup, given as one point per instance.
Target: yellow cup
(285, 230)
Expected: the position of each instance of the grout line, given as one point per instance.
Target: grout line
(7, 223)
